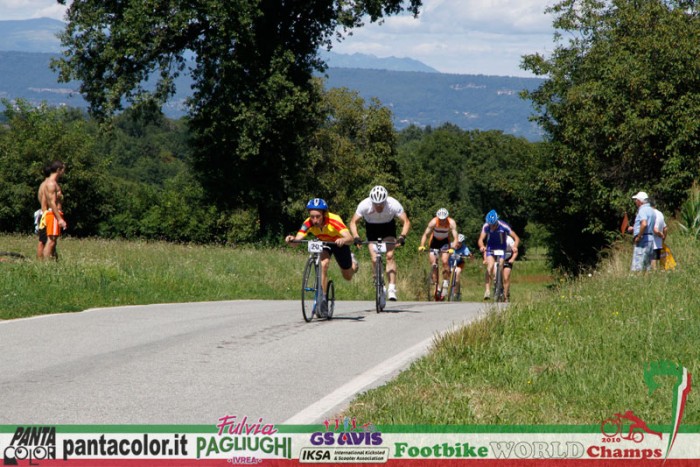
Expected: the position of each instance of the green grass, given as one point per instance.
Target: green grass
(574, 355)
(99, 273)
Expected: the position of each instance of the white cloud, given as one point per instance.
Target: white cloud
(26, 9)
(465, 36)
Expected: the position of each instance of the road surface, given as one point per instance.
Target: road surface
(191, 363)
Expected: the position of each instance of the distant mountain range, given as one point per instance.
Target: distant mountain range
(416, 93)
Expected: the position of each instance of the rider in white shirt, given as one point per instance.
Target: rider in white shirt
(380, 212)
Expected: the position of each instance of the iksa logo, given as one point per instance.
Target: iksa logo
(629, 427)
(351, 434)
(34, 444)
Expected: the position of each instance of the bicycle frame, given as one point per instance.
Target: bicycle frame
(499, 257)
(315, 289)
(380, 250)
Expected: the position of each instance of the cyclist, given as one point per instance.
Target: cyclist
(457, 260)
(439, 229)
(380, 212)
(328, 227)
(508, 261)
(493, 237)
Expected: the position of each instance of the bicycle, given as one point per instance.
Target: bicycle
(436, 294)
(498, 295)
(380, 293)
(311, 290)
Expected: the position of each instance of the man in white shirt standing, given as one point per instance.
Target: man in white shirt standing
(643, 231)
(380, 212)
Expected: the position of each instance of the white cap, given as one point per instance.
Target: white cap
(641, 196)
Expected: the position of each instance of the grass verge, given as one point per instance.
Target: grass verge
(101, 273)
(574, 355)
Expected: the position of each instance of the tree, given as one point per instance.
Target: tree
(253, 109)
(619, 109)
(31, 139)
(353, 150)
(468, 172)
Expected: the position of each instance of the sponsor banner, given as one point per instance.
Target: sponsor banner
(621, 439)
(280, 445)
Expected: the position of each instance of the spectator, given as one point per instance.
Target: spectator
(51, 199)
(643, 231)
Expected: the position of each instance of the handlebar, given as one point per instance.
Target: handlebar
(314, 241)
(437, 251)
(369, 242)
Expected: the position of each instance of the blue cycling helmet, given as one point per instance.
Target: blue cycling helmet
(492, 217)
(317, 204)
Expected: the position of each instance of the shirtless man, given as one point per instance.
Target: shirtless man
(51, 198)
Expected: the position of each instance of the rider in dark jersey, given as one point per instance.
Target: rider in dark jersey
(494, 235)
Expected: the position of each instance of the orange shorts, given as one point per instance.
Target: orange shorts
(52, 227)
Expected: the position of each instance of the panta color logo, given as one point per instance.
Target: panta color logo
(629, 427)
(34, 444)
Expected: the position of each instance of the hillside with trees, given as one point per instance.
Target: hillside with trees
(617, 103)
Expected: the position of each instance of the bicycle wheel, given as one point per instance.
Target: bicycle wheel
(380, 299)
(498, 286)
(453, 287)
(309, 288)
(330, 299)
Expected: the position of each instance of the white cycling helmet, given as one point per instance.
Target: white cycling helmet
(378, 194)
(460, 238)
(442, 214)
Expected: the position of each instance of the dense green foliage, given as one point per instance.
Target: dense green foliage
(467, 172)
(30, 139)
(254, 105)
(132, 178)
(619, 109)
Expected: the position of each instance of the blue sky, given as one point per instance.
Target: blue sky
(453, 36)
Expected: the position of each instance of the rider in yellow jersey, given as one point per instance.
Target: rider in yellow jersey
(328, 227)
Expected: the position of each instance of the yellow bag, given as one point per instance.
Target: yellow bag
(667, 260)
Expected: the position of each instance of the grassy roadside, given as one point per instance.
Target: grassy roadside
(100, 273)
(575, 355)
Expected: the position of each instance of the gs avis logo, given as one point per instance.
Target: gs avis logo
(351, 434)
(34, 444)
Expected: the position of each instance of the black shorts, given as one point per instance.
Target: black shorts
(657, 254)
(342, 255)
(43, 238)
(383, 231)
(443, 244)
(506, 263)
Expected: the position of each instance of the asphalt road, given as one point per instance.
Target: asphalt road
(191, 363)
